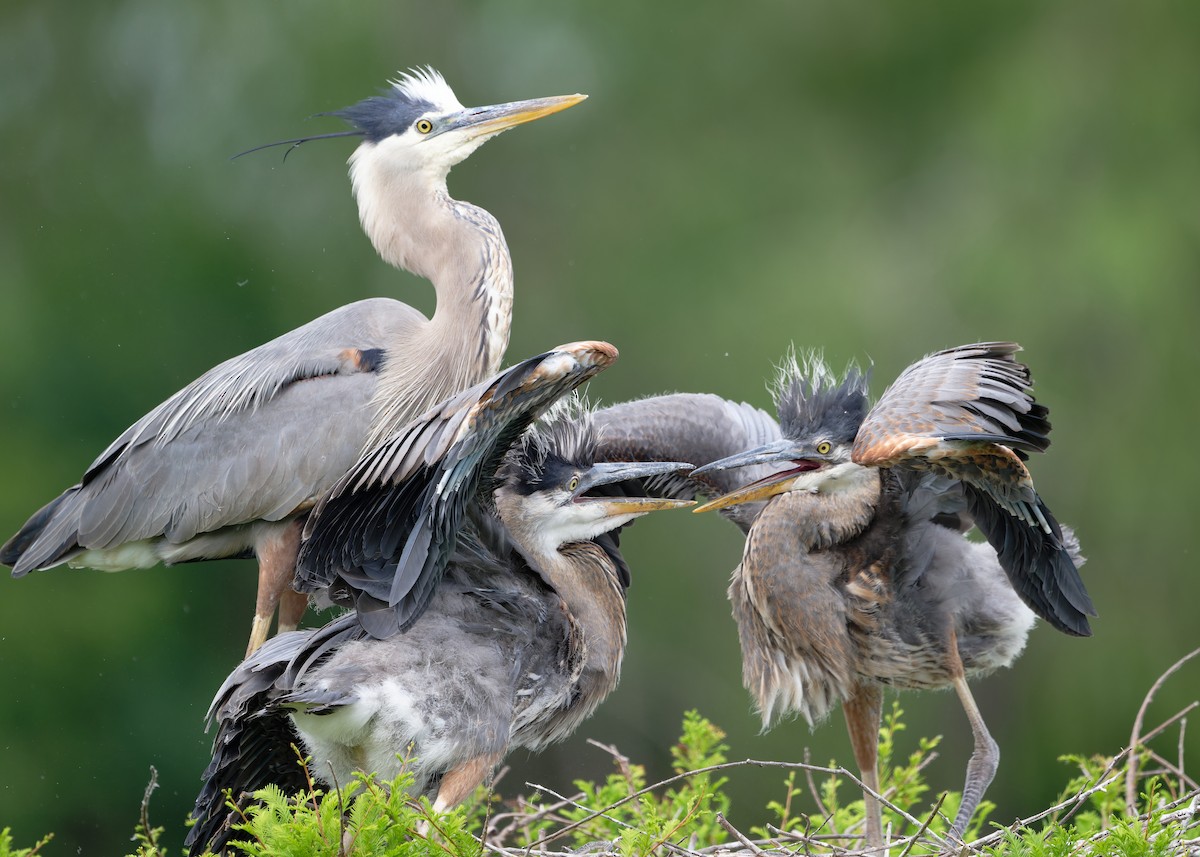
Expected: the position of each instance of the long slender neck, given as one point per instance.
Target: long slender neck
(584, 577)
(414, 224)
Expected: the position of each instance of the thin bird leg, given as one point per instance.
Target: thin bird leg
(458, 782)
(276, 569)
(864, 714)
(985, 758)
(292, 605)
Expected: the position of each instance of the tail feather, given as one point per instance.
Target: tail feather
(47, 538)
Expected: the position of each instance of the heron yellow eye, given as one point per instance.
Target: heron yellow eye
(424, 126)
(573, 484)
(824, 447)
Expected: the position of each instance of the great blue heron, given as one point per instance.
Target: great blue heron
(521, 639)
(229, 465)
(855, 574)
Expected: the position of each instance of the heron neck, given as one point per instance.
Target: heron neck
(582, 575)
(829, 514)
(415, 225)
(584, 578)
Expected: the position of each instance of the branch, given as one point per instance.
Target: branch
(1136, 738)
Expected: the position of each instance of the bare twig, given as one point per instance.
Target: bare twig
(1073, 802)
(812, 786)
(147, 830)
(725, 766)
(1136, 738)
(925, 825)
(739, 836)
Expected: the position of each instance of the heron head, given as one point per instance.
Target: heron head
(819, 415)
(553, 492)
(418, 122)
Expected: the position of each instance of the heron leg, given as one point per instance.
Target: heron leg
(458, 782)
(292, 605)
(864, 714)
(276, 553)
(985, 758)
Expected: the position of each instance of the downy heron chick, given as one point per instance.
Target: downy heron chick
(521, 638)
(855, 575)
(229, 465)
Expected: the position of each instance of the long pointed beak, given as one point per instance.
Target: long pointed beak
(763, 489)
(608, 472)
(777, 483)
(492, 120)
(768, 453)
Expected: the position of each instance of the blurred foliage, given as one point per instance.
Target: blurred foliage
(879, 180)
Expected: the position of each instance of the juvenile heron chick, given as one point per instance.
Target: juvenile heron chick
(230, 465)
(520, 639)
(856, 575)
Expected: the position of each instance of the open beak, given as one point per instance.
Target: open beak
(490, 121)
(609, 472)
(767, 487)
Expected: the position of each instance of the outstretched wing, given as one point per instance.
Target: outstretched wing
(258, 437)
(968, 413)
(973, 393)
(381, 538)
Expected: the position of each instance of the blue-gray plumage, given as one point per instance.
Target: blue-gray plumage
(696, 427)
(519, 640)
(379, 540)
(855, 575)
(230, 464)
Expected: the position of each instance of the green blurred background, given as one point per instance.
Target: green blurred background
(880, 180)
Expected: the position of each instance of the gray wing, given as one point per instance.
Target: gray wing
(696, 427)
(968, 413)
(381, 538)
(255, 742)
(257, 437)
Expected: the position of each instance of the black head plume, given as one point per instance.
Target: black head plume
(810, 399)
(563, 441)
(393, 111)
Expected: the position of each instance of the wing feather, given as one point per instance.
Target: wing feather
(970, 393)
(253, 438)
(381, 538)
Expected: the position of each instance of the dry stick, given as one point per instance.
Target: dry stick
(812, 789)
(739, 836)
(1077, 800)
(668, 845)
(523, 818)
(929, 818)
(1135, 737)
(820, 769)
(675, 779)
(1167, 818)
(1074, 801)
(1182, 734)
(147, 830)
(1169, 767)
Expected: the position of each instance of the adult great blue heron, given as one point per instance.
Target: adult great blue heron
(522, 637)
(855, 574)
(229, 465)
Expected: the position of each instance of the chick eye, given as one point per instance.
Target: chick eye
(824, 446)
(424, 126)
(573, 484)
